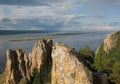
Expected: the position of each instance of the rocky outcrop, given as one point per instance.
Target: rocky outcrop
(108, 42)
(111, 41)
(107, 57)
(41, 54)
(67, 69)
(58, 64)
(17, 66)
(20, 67)
(42, 61)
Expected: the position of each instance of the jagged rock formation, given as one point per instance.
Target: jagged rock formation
(58, 64)
(67, 69)
(41, 54)
(17, 66)
(41, 60)
(111, 41)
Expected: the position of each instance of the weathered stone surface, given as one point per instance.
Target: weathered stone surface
(109, 42)
(61, 61)
(41, 53)
(17, 66)
(42, 61)
(67, 69)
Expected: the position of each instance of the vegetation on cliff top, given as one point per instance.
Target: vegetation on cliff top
(109, 62)
(88, 55)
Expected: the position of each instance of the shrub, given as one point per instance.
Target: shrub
(87, 53)
(109, 62)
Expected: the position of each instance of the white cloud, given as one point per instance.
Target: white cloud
(52, 13)
(60, 7)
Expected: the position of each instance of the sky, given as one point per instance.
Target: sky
(77, 15)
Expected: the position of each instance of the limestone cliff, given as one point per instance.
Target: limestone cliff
(107, 57)
(111, 41)
(42, 61)
(67, 69)
(41, 54)
(17, 66)
(58, 64)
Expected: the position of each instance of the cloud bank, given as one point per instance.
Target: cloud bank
(59, 15)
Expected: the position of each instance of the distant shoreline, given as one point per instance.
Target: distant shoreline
(20, 32)
(29, 38)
